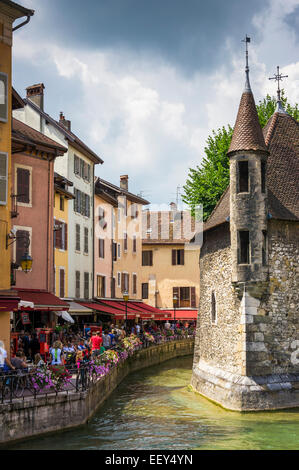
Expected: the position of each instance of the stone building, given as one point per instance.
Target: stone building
(247, 342)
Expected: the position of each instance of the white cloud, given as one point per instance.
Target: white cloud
(146, 119)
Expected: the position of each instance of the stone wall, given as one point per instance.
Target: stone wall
(218, 343)
(52, 413)
(273, 335)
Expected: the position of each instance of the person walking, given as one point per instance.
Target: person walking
(5, 364)
(95, 342)
(34, 346)
(56, 354)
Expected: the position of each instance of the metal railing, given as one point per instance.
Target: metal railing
(24, 384)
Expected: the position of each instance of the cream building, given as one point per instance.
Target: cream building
(170, 264)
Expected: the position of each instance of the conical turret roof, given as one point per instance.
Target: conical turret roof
(247, 133)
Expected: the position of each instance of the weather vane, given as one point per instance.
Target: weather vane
(247, 84)
(278, 78)
(246, 40)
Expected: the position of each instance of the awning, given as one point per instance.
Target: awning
(66, 316)
(24, 305)
(41, 299)
(78, 309)
(139, 309)
(183, 314)
(8, 302)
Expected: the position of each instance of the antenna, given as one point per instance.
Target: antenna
(247, 84)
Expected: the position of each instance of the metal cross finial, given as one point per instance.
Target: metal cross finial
(246, 40)
(278, 77)
(247, 84)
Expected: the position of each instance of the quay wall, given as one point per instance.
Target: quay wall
(31, 417)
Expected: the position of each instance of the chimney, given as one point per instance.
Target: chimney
(173, 206)
(64, 122)
(124, 182)
(35, 93)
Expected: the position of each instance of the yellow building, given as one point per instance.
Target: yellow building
(9, 12)
(61, 200)
(170, 264)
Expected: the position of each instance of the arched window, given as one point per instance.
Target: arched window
(213, 308)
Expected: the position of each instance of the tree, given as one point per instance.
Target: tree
(207, 182)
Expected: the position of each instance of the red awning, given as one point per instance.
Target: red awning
(42, 300)
(183, 314)
(8, 304)
(108, 310)
(140, 309)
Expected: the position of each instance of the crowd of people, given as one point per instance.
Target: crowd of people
(74, 348)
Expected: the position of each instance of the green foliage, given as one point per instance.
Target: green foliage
(207, 182)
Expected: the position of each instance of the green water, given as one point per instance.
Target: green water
(155, 409)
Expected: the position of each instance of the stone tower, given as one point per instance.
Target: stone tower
(246, 354)
(248, 194)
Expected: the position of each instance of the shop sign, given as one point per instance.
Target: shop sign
(25, 318)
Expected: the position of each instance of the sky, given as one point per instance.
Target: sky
(144, 82)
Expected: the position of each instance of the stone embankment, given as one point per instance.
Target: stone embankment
(31, 417)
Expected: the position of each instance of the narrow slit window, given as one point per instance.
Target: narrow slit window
(243, 177)
(213, 307)
(263, 176)
(264, 248)
(244, 247)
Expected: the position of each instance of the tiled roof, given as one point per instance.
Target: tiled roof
(30, 135)
(221, 211)
(247, 133)
(281, 135)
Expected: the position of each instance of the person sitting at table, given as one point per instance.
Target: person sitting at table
(38, 361)
(18, 361)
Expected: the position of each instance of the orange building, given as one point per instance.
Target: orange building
(9, 12)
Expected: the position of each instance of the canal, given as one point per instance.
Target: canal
(155, 409)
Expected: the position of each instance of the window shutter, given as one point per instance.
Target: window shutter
(175, 291)
(78, 201)
(122, 282)
(128, 282)
(23, 181)
(193, 297)
(77, 284)
(58, 237)
(182, 256)
(65, 236)
(61, 289)
(85, 240)
(134, 284)
(150, 258)
(88, 172)
(77, 237)
(3, 178)
(173, 257)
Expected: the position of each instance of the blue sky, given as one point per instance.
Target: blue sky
(145, 82)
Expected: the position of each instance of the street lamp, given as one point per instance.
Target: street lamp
(26, 260)
(175, 301)
(126, 298)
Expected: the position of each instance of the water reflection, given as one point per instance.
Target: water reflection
(155, 409)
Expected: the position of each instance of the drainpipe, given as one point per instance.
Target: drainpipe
(24, 22)
(112, 261)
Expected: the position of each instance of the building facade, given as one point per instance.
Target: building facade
(9, 12)
(118, 238)
(247, 342)
(170, 264)
(77, 166)
(62, 198)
